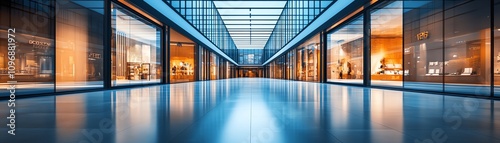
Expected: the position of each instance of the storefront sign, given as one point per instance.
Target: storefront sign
(94, 55)
(39, 44)
(423, 35)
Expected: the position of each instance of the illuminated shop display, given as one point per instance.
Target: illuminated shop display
(79, 46)
(308, 59)
(31, 26)
(214, 62)
(69, 49)
(135, 49)
(182, 58)
(386, 44)
(301, 63)
(457, 60)
(345, 53)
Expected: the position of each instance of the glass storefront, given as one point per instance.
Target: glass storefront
(345, 53)
(386, 45)
(135, 49)
(291, 65)
(446, 52)
(79, 45)
(301, 63)
(214, 63)
(204, 63)
(50, 51)
(423, 46)
(308, 60)
(27, 46)
(428, 45)
(467, 47)
(182, 58)
(278, 68)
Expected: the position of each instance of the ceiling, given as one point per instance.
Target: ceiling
(250, 23)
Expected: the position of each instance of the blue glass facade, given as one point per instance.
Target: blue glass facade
(203, 15)
(296, 15)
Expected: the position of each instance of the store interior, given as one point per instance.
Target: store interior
(182, 58)
(136, 54)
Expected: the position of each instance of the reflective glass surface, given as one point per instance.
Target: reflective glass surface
(27, 46)
(386, 44)
(79, 45)
(135, 51)
(182, 58)
(345, 53)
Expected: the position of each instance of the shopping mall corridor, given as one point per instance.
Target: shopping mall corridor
(253, 110)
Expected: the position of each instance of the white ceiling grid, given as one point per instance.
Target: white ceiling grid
(250, 23)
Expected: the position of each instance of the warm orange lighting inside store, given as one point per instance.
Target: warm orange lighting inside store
(182, 58)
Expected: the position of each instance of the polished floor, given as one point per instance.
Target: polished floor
(253, 110)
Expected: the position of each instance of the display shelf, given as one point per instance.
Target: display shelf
(387, 77)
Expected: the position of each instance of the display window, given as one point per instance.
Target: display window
(214, 63)
(387, 44)
(308, 60)
(27, 46)
(79, 45)
(271, 69)
(345, 53)
(204, 61)
(135, 50)
(496, 53)
(278, 68)
(182, 58)
(467, 47)
(456, 61)
(423, 46)
(291, 65)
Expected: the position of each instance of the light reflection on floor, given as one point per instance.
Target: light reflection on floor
(252, 110)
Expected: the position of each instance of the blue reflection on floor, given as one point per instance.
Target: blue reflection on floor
(253, 110)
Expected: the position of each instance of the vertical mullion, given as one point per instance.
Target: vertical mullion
(366, 49)
(53, 33)
(492, 48)
(107, 45)
(167, 65)
(163, 54)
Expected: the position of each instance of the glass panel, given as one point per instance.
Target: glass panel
(345, 53)
(27, 46)
(387, 45)
(423, 53)
(467, 47)
(278, 68)
(309, 60)
(182, 58)
(213, 66)
(135, 50)
(292, 65)
(496, 58)
(79, 51)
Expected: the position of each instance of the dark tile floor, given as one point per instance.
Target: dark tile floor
(252, 110)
